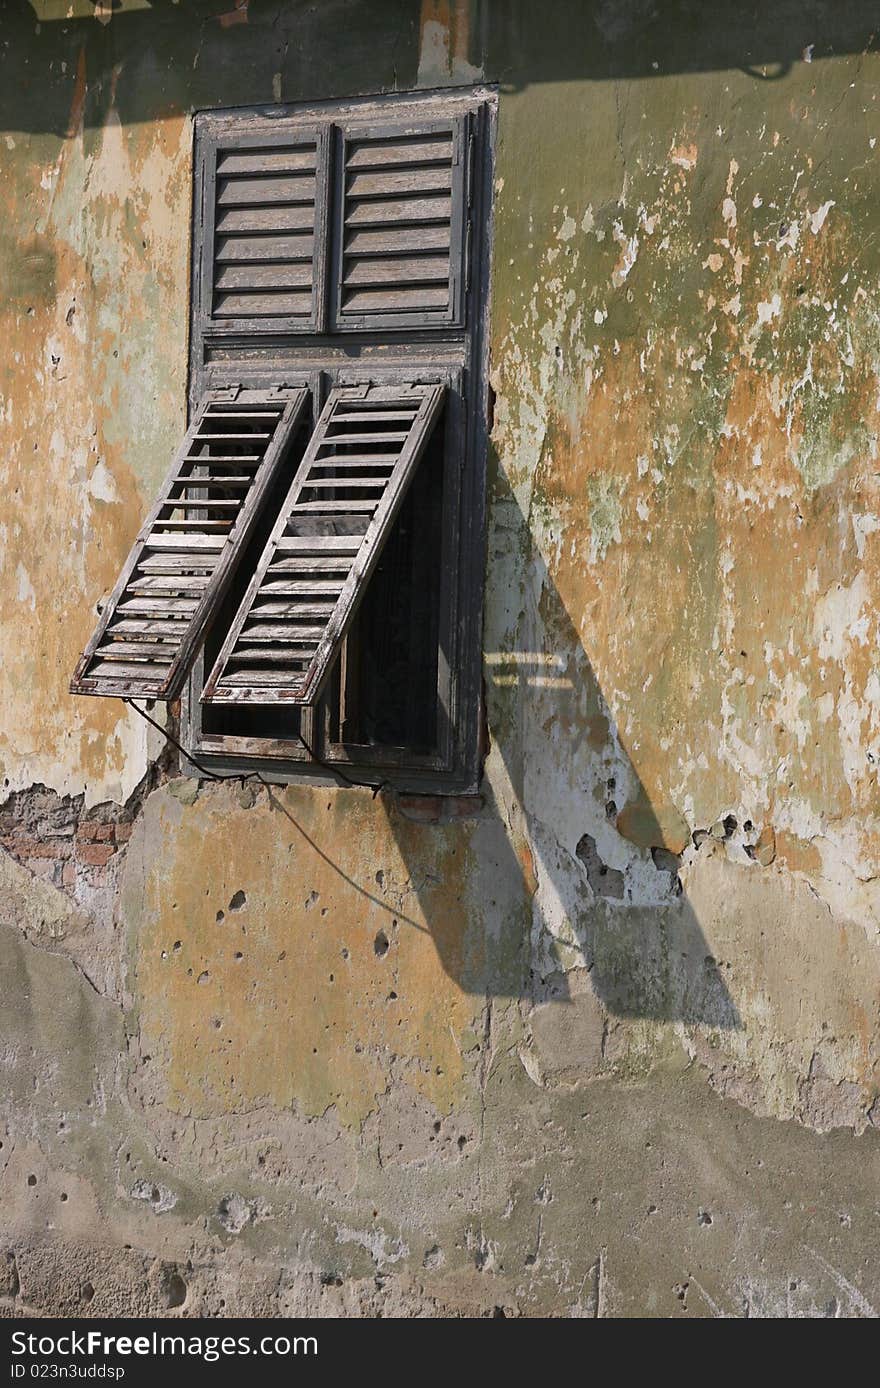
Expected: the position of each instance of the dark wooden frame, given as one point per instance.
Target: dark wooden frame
(458, 356)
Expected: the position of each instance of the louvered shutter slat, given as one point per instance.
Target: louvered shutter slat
(401, 210)
(278, 274)
(290, 249)
(235, 221)
(402, 226)
(264, 305)
(323, 545)
(264, 192)
(387, 153)
(427, 178)
(391, 241)
(418, 300)
(283, 160)
(175, 578)
(396, 270)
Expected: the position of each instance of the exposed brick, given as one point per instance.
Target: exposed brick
(37, 848)
(123, 832)
(88, 829)
(68, 875)
(96, 854)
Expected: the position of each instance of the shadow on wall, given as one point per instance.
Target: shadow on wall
(173, 53)
(597, 884)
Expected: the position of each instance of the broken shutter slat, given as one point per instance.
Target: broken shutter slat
(401, 225)
(283, 651)
(174, 579)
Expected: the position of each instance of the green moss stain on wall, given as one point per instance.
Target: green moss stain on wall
(684, 319)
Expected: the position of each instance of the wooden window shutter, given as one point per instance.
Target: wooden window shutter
(325, 544)
(401, 224)
(189, 547)
(263, 209)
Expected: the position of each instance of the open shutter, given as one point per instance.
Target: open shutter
(325, 544)
(401, 225)
(263, 228)
(188, 549)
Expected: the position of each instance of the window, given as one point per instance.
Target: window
(310, 576)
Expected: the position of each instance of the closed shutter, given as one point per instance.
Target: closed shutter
(263, 244)
(189, 547)
(325, 544)
(401, 225)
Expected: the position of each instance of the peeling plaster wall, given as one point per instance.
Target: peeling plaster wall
(609, 1043)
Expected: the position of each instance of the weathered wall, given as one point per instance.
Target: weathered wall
(610, 1045)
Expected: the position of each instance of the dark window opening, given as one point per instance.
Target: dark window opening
(387, 681)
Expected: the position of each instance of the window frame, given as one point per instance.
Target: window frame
(225, 355)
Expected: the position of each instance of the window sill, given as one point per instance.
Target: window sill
(457, 794)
